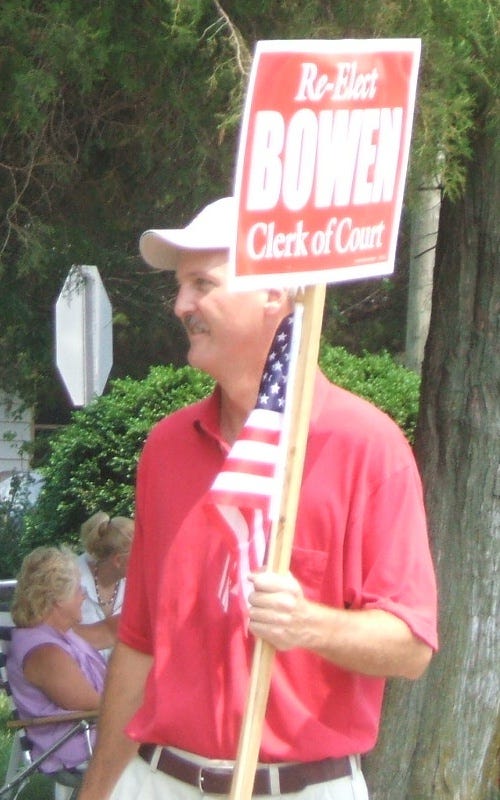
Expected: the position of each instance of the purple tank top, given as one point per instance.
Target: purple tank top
(32, 702)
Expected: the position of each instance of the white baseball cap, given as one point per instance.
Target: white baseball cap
(213, 228)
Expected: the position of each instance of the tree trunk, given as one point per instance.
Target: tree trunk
(423, 235)
(440, 737)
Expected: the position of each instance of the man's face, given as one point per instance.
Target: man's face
(223, 327)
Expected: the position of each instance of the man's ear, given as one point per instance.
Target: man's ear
(278, 302)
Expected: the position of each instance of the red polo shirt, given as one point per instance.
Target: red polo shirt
(361, 542)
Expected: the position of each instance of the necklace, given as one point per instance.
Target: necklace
(105, 604)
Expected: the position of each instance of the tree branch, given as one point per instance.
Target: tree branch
(243, 55)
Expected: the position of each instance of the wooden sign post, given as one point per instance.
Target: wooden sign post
(281, 538)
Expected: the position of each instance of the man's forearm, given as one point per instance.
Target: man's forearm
(127, 673)
(372, 642)
(368, 641)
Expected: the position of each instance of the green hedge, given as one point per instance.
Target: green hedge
(93, 460)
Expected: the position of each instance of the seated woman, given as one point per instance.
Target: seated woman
(103, 566)
(51, 669)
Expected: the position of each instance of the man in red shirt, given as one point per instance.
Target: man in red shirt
(358, 605)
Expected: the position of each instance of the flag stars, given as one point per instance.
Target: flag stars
(273, 384)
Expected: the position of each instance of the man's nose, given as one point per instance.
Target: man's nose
(183, 301)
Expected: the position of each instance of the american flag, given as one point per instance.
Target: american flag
(243, 490)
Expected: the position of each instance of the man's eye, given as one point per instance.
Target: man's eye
(203, 284)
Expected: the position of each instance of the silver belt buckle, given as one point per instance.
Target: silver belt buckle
(201, 778)
(274, 779)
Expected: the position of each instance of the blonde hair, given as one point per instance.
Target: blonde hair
(102, 537)
(93, 522)
(47, 576)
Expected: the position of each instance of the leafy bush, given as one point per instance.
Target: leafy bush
(93, 460)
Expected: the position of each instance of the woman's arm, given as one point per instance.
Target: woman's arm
(100, 635)
(57, 675)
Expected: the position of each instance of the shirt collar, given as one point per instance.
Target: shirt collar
(207, 421)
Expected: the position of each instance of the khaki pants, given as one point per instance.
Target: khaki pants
(140, 782)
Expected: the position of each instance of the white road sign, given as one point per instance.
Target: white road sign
(84, 334)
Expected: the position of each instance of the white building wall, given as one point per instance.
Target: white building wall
(16, 428)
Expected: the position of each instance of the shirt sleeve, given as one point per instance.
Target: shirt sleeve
(397, 573)
(134, 628)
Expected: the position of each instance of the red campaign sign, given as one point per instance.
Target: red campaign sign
(322, 160)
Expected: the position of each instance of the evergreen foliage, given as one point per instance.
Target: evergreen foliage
(93, 460)
(117, 117)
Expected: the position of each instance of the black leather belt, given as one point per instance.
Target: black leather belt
(217, 779)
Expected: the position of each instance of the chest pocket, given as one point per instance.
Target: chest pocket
(309, 567)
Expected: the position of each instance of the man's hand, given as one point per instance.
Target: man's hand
(278, 610)
(369, 641)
